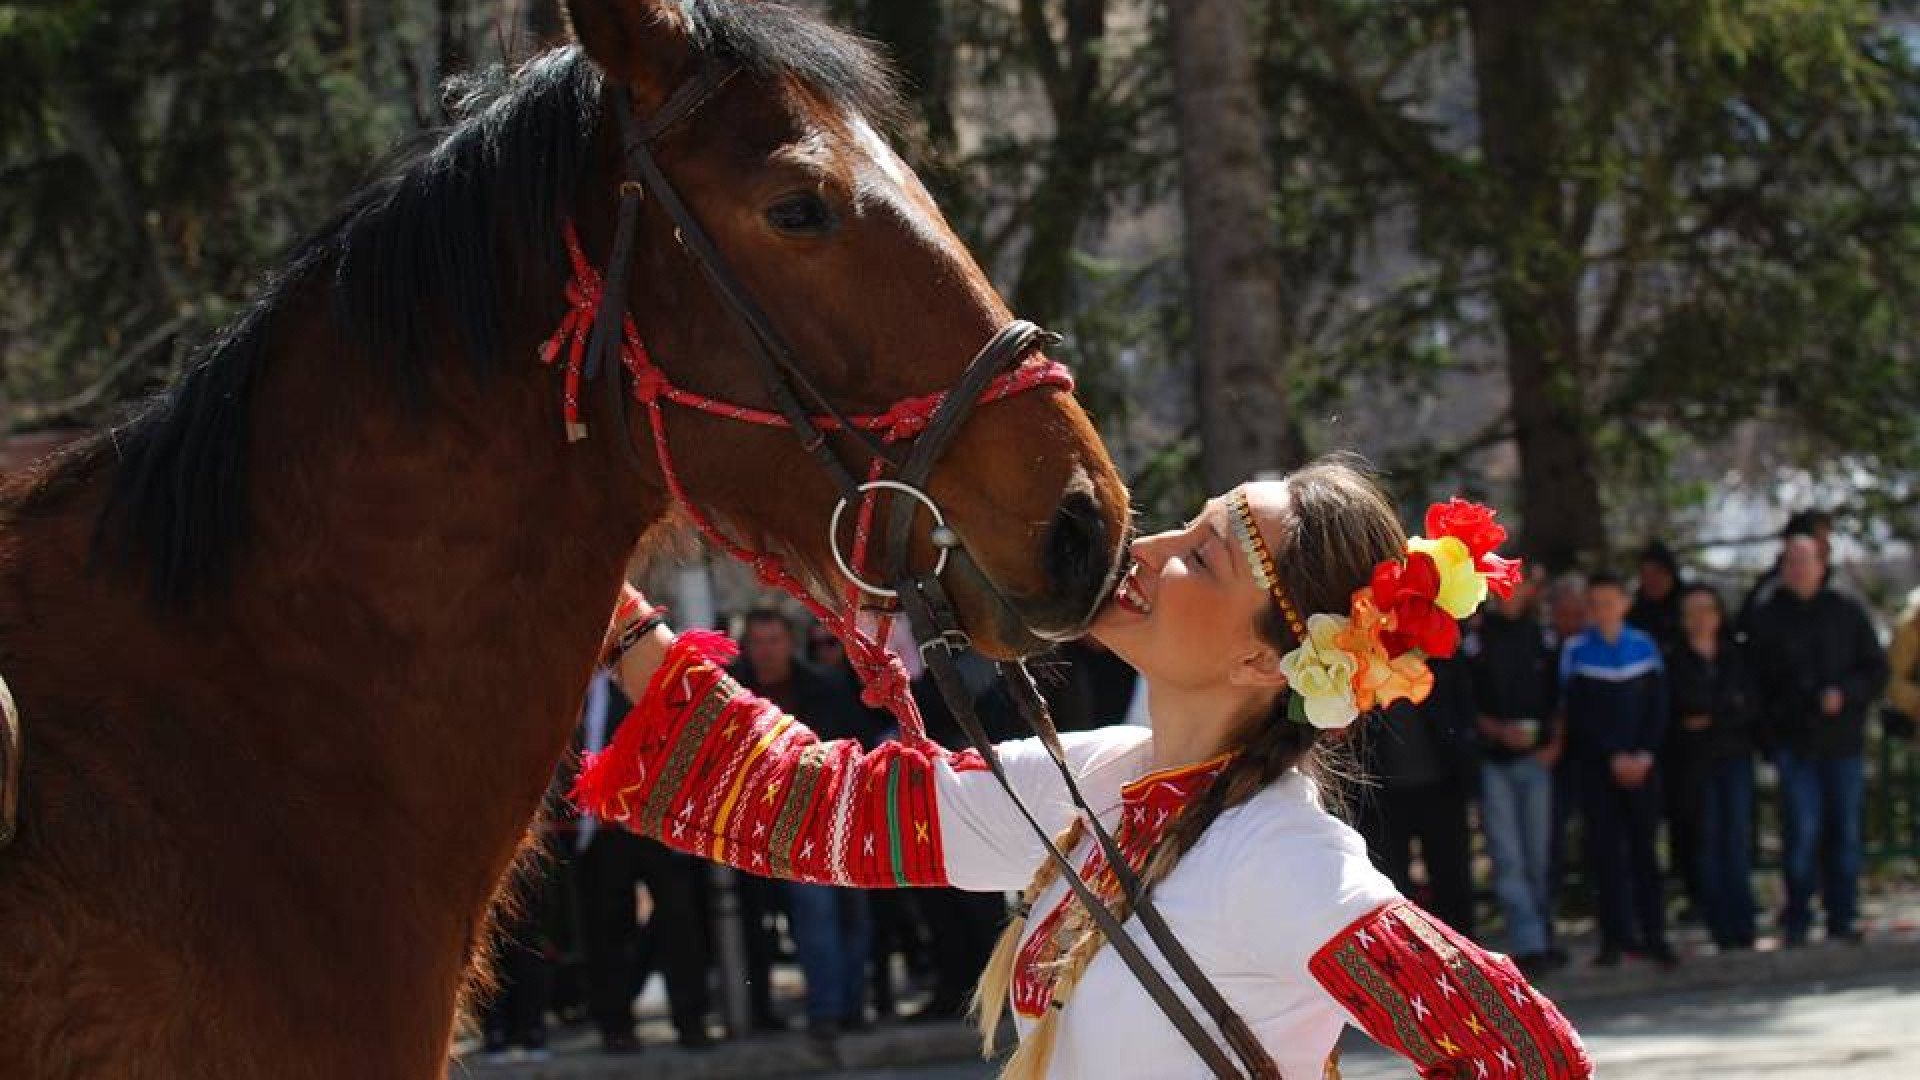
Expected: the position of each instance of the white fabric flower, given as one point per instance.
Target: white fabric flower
(1321, 672)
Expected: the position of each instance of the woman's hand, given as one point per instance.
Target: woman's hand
(636, 641)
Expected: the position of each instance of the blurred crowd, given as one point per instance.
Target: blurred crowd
(1609, 730)
(1595, 728)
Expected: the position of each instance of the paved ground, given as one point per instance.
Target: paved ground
(1771, 1012)
(1850, 1030)
(1859, 1028)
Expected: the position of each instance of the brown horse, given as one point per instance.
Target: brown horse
(297, 650)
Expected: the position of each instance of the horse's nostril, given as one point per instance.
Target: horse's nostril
(1077, 552)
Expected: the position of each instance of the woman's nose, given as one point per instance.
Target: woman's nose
(1152, 551)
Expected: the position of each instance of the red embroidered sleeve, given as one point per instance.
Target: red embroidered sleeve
(707, 768)
(1453, 1009)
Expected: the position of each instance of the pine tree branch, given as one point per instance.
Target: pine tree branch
(1392, 132)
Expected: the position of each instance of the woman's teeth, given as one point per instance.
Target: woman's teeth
(1130, 597)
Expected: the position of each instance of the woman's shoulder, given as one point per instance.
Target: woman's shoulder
(1295, 870)
(1289, 821)
(1103, 759)
(1121, 750)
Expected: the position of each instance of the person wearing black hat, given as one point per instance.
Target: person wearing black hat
(1656, 599)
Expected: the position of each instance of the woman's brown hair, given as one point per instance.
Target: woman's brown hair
(1336, 527)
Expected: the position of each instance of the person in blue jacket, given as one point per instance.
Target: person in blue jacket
(1613, 691)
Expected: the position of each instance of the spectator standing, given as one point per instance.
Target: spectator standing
(1612, 680)
(1516, 691)
(1566, 619)
(1656, 611)
(1422, 758)
(1566, 610)
(891, 913)
(1820, 667)
(1903, 663)
(1656, 597)
(610, 865)
(1817, 524)
(1715, 704)
(831, 926)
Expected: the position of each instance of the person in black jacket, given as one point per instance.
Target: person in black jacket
(1656, 610)
(1820, 667)
(1516, 690)
(1422, 757)
(1656, 596)
(1715, 705)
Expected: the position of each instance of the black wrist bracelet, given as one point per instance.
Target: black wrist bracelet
(631, 636)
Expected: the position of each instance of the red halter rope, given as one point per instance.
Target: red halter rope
(883, 677)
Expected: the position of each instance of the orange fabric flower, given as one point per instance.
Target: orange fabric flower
(1379, 678)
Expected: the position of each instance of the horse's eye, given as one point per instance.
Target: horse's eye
(802, 214)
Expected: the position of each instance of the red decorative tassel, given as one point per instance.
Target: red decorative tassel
(712, 645)
(610, 780)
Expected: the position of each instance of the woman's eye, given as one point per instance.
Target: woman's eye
(1199, 555)
(803, 214)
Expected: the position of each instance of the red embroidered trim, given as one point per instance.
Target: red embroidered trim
(1151, 803)
(1449, 1006)
(707, 768)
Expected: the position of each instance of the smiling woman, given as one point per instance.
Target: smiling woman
(1218, 807)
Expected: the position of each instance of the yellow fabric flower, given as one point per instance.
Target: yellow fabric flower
(1462, 588)
(1321, 672)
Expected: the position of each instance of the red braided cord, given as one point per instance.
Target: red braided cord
(883, 677)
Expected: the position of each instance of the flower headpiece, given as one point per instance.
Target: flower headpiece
(1377, 653)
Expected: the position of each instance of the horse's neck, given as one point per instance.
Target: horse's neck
(383, 689)
(438, 579)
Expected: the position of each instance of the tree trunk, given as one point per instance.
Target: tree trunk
(1240, 338)
(1071, 71)
(1538, 294)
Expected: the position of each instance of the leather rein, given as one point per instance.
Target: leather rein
(598, 336)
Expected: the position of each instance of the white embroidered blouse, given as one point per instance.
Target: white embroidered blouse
(1277, 901)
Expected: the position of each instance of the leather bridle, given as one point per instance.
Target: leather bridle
(997, 370)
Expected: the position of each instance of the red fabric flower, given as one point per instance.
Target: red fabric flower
(1502, 574)
(1473, 525)
(1406, 593)
(1394, 580)
(1468, 522)
(1419, 623)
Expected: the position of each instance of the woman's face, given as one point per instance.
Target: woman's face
(1700, 615)
(1185, 614)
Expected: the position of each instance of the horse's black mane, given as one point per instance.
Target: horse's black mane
(436, 244)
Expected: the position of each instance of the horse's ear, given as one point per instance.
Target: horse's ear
(637, 43)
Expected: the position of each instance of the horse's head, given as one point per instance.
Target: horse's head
(784, 168)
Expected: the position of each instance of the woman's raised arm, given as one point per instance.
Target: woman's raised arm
(708, 768)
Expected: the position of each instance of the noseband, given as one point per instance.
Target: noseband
(598, 336)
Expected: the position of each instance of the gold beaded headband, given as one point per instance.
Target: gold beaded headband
(1261, 560)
